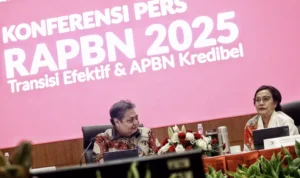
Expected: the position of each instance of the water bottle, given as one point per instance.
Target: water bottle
(223, 140)
(200, 129)
(6, 155)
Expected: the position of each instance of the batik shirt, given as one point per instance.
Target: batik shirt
(110, 141)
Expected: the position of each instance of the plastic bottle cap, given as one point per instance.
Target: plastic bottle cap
(6, 154)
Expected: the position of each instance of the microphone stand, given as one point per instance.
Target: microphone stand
(91, 141)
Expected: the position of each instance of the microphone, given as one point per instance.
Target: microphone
(92, 140)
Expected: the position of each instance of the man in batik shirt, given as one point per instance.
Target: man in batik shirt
(125, 133)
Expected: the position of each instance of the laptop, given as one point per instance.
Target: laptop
(122, 154)
(260, 135)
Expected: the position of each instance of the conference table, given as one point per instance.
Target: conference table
(230, 162)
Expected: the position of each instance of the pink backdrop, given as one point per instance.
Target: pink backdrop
(265, 35)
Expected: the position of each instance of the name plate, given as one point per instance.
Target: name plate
(281, 141)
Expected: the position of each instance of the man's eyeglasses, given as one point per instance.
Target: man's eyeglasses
(264, 99)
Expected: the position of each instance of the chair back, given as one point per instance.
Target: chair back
(90, 132)
(292, 109)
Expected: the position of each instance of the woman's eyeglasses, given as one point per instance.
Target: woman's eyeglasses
(264, 99)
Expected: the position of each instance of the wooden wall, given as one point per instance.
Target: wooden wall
(67, 153)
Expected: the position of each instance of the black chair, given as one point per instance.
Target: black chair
(292, 109)
(89, 132)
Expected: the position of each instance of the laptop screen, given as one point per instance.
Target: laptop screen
(260, 135)
(122, 154)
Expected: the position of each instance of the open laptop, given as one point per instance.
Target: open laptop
(122, 154)
(260, 135)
